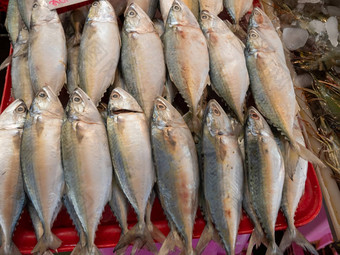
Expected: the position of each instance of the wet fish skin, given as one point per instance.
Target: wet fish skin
(265, 174)
(41, 163)
(228, 69)
(177, 174)
(213, 6)
(13, 20)
(21, 80)
(223, 174)
(12, 196)
(46, 49)
(87, 166)
(142, 58)
(186, 55)
(237, 8)
(165, 6)
(99, 50)
(131, 154)
(25, 9)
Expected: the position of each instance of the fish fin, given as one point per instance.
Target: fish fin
(256, 239)
(85, 250)
(171, 241)
(11, 249)
(291, 159)
(307, 154)
(50, 241)
(208, 81)
(156, 233)
(139, 231)
(207, 235)
(295, 236)
(273, 249)
(6, 62)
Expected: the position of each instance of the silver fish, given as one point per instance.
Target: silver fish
(13, 20)
(177, 174)
(223, 174)
(265, 174)
(25, 9)
(187, 57)
(87, 167)
(12, 196)
(228, 69)
(41, 163)
(237, 8)
(130, 145)
(21, 80)
(99, 50)
(142, 58)
(47, 49)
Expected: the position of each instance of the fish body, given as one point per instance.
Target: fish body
(46, 49)
(265, 174)
(21, 80)
(237, 8)
(177, 174)
(13, 20)
(131, 154)
(25, 9)
(99, 50)
(87, 167)
(213, 6)
(223, 174)
(41, 163)
(186, 54)
(228, 69)
(142, 58)
(12, 195)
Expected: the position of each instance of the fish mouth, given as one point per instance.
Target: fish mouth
(121, 111)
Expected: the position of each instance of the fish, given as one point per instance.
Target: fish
(265, 174)
(293, 190)
(223, 174)
(41, 164)
(99, 50)
(12, 195)
(47, 53)
(13, 20)
(237, 8)
(87, 167)
(25, 9)
(262, 23)
(142, 58)
(21, 80)
(148, 6)
(165, 6)
(187, 56)
(212, 6)
(273, 90)
(159, 26)
(228, 69)
(177, 174)
(131, 155)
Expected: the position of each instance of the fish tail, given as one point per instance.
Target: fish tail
(208, 234)
(85, 250)
(307, 154)
(256, 239)
(139, 231)
(171, 241)
(46, 242)
(273, 249)
(155, 232)
(296, 236)
(9, 250)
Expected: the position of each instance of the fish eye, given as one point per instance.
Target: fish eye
(20, 109)
(161, 106)
(216, 111)
(76, 99)
(132, 13)
(254, 116)
(204, 16)
(253, 34)
(256, 12)
(35, 5)
(95, 3)
(115, 95)
(176, 7)
(42, 94)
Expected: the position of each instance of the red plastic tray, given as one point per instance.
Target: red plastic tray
(108, 232)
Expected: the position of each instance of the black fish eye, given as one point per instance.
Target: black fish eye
(256, 12)
(216, 112)
(176, 7)
(95, 3)
(254, 116)
(42, 94)
(253, 34)
(76, 99)
(161, 106)
(115, 95)
(35, 5)
(204, 16)
(21, 109)
(132, 13)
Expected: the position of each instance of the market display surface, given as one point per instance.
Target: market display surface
(131, 130)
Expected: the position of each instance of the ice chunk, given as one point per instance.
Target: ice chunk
(294, 38)
(317, 26)
(332, 30)
(333, 10)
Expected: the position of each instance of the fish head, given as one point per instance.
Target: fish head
(101, 11)
(259, 18)
(180, 14)
(136, 20)
(122, 101)
(41, 13)
(216, 120)
(165, 115)
(46, 101)
(256, 43)
(14, 115)
(81, 107)
(255, 123)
